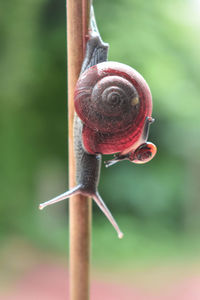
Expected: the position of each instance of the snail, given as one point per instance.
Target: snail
(113, 105)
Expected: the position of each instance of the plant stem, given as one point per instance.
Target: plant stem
(79, 207)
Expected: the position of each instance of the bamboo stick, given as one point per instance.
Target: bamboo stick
(79, 206)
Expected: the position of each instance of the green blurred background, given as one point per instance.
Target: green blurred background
(156, 205)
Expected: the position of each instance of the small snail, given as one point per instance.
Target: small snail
(113, 107)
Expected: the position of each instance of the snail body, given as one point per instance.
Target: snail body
(113, 105)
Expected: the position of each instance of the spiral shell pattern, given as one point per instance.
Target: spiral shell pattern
(112, 100)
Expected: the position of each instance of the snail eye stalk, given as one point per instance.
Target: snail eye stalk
(116, 159)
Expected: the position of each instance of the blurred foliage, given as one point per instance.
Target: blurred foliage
(160, 39)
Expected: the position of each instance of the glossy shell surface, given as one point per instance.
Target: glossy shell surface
(113, 101)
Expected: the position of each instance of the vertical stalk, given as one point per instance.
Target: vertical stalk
(79, 206)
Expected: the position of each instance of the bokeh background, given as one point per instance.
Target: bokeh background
(156, 205)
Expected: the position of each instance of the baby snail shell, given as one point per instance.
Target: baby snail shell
(113, 101)
(143, 154)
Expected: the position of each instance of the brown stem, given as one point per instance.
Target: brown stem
(79, 206)
(86, 5)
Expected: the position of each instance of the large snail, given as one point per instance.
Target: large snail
(113, 106)
(114, 103)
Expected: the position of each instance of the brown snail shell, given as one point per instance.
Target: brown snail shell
(113, 101)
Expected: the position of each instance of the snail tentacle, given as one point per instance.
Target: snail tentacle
(99, 201)
(148, 122)
(72, 192)
(97, 198)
